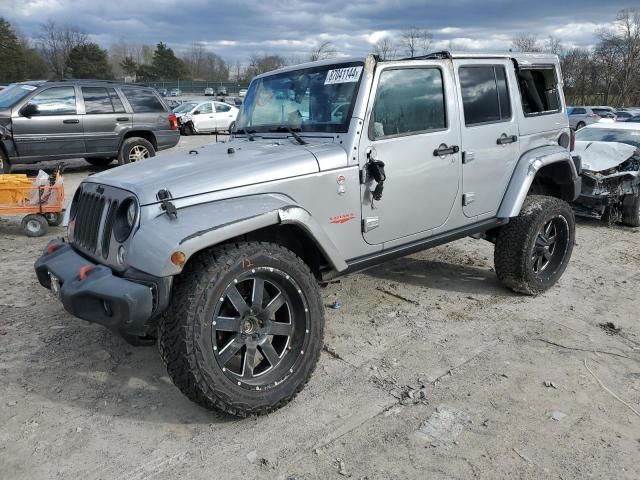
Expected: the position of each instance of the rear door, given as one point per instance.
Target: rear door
(55, 131)
(224, 115)
(104, 120)
(489, 133)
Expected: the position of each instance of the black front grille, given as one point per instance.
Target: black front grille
(108, 227)
(87, 221)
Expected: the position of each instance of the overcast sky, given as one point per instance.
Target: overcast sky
(235, 29)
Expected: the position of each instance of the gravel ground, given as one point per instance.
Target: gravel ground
(431, 369)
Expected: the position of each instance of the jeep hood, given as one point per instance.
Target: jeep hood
(214, 167)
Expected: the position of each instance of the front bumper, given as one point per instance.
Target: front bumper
(101, 297)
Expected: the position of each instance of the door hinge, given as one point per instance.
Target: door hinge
(369, 223)
(468, 157)
(468, 198)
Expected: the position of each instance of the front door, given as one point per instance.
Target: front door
(54, 131)
(412, 126)
(489, 134)
(204, 118)
(104, 120)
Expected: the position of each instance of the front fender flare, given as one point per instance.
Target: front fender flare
(201, 226)
(526, 169)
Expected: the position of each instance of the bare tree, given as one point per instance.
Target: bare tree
(323, 51)
(205, 65)
(526, 43)
(415, 41)
(264, 63)
(385, 48)
(55, 43)
(553, 45)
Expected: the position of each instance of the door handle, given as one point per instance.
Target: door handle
(505, 139)
(73, 120)
(444, 150)
(122, 119)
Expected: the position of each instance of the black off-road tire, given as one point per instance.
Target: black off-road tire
(518, 241)
(187, 337)
(34, 225)
(54, 219)
(631, 210)
(99, 161)
(132, 143)
(5, 165)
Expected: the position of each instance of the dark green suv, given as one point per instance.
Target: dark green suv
(98, 120)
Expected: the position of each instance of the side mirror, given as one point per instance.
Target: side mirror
(197, 112)
(29, 110)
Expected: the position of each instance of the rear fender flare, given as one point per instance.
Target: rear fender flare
(525, 172)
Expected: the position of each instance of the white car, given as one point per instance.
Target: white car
(242, 92)
(206, 117)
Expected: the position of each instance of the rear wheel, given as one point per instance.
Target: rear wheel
(533, 250)
(631, 210)
(34, 225)
(244, 329)
(99, 161)
(135, 149)
(54, 219)
(580, 125)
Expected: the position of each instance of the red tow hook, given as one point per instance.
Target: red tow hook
(84, 271)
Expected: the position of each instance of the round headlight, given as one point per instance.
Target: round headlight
(125, 220)
(131, 214)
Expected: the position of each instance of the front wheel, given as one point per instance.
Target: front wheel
(533, 250)
(244, 329)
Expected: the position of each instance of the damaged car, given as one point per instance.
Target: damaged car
(610, 156)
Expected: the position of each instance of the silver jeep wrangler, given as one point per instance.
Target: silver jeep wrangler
(335, 166)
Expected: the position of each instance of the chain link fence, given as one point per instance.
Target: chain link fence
(197, 86)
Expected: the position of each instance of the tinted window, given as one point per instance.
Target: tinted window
(578, 111)
(485, 96)
(539, 90)
(221, 107)
(408, 101)
(142, 101)
(205, 108)
(55, 101)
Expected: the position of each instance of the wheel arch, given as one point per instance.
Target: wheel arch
(148, 135)
(201, 227)
(546, 170)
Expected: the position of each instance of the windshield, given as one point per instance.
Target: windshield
(630, 137)
(317, 99)
(13, 93)
(185, 107)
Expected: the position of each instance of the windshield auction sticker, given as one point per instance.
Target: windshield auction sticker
(343, 75)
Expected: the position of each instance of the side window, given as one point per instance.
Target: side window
(539, 90)
(221, 107)
(142, 101)
(96, 100)
(485, 96)
(55, 101)
(205, 108)
(408, 101)
(118, 107)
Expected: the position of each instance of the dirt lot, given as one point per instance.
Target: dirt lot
(431, 370)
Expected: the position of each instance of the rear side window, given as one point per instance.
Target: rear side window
(142, 101)
(485, 96)
(408, 101)
(55, 101)
(101, 100)
(539, 90)
(578, 111)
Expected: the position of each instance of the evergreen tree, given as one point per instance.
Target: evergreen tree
(166, 65)
(89, 61)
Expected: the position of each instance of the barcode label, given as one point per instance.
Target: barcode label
(343, 75)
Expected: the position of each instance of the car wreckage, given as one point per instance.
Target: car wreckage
(610, 156)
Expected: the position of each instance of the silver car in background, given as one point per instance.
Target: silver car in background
(580, 117)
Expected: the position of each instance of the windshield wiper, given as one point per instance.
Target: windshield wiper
(287, 128)
(248, 133)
